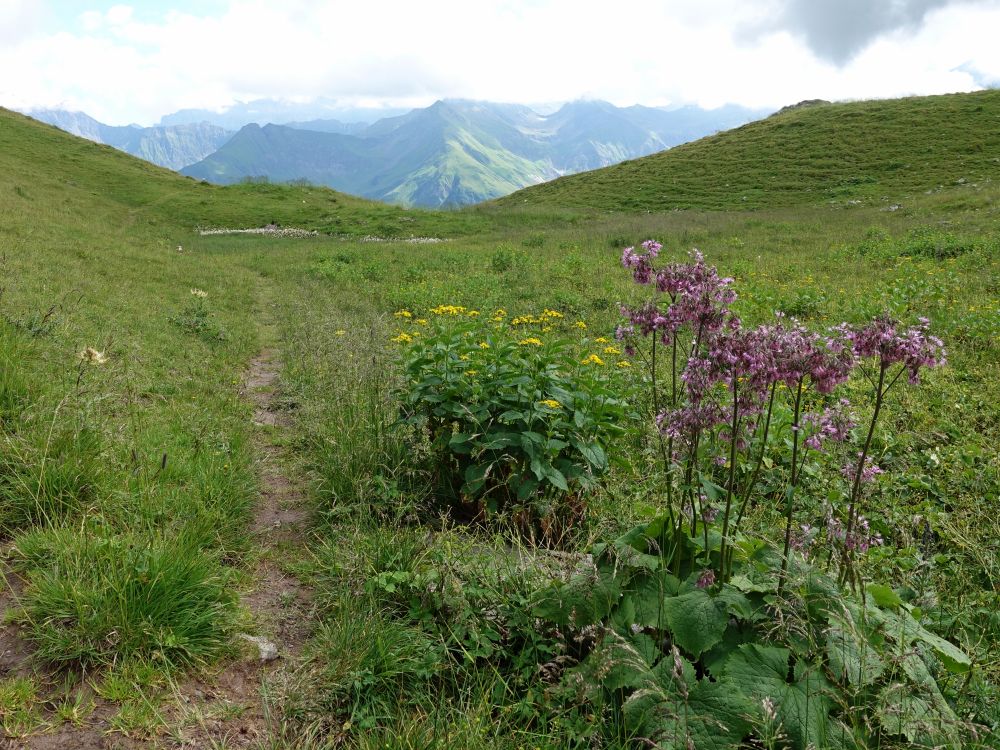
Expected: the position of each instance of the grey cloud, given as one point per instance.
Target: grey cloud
(837, 30)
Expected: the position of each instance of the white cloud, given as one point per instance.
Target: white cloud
(124, 65)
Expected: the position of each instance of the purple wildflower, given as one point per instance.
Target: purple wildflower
(913, 347)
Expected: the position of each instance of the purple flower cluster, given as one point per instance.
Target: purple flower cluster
(728, 377)
(868, 473)
(834, 423)
(706, 579)
(885, 340)
(861, 538)
(698, 297)
(800, 353)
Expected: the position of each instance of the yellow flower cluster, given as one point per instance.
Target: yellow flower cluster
(402, 314)
(551, 403)
(402, 338)
(601, 340)
(593, 359)
(530, 342)
(624, 363)
(484, 345)
(612, 350)
(580, 324)
(448, 310)
(546, 316)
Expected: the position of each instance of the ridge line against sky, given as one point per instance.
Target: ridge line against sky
(135, 62)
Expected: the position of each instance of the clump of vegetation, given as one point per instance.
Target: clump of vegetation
(518, 415)
(94, 601)
(196, 318)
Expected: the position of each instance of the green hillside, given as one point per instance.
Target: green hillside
(874, 151)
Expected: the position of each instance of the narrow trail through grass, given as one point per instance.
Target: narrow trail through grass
(230, 709)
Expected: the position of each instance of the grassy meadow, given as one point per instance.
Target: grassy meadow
(130, 462)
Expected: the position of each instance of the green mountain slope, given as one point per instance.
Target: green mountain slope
(861, 151)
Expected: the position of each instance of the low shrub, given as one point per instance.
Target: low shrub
(518, 414)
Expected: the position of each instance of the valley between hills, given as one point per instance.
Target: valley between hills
(541, 470)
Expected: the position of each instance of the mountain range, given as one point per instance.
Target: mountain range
(454, 152)
(457, 152)
(173, 146)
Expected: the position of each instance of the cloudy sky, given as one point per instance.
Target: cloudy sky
(134, 62)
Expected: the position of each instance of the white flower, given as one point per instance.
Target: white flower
(91, 356)
(199, 293)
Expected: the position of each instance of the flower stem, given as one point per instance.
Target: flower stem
(789, 500)
(847, 560)
(732, 481)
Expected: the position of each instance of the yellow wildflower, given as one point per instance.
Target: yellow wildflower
(464, 357)
(484, 345)
(551, 403)
(551, 313)
(546, 329)
(471, 372)
(530, 342)
(402, 338)
(473, 313)
(593, 359)
(601, 340)
(624, 363)
(501, 313)
(612, 350)
(421, 321)
(580, 324)
(402, 314)
(341, 332)
(448, 310)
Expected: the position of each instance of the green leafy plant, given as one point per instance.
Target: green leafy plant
(196, 318)
(685, 664)
(518, 415)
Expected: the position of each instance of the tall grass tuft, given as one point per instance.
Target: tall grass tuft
(94, 600)
(48, 478)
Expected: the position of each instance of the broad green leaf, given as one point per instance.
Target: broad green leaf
(646, 596)
(461, 442)
(922, 716)
(853, 660)
(900, 626)
(623, 661)
(537, 468)
(884, 596)
(679, 712)
(696, 620)
(803, 705)
(556, 477)
(592, 452)
(527, 486)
